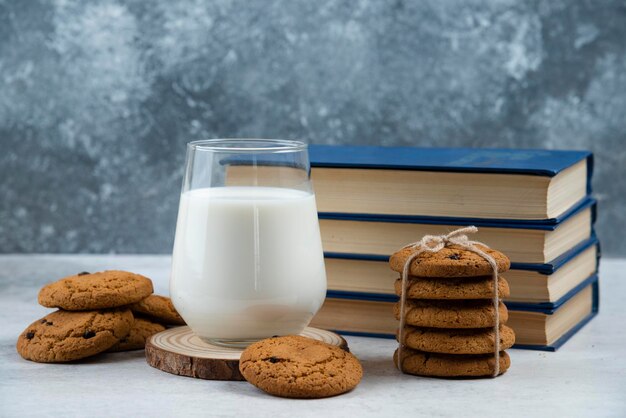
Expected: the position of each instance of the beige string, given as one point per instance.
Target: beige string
(433, 244)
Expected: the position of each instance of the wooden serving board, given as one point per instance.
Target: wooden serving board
(179, 351)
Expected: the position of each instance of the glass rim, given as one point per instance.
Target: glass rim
(248, 145)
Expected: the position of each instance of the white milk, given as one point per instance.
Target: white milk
(247, 262)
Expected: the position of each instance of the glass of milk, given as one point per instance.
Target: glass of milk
(247, 260)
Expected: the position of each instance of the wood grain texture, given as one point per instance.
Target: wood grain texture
(179, 351)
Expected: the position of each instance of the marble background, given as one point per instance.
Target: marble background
(97, 98)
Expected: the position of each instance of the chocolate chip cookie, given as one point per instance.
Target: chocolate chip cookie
(452, 261)
(85, 291)
(453, 288)
(457, 341)
(451, 314)
(141, 330)
(65, 336)
(159, 308)
(449, 365)
(299, 367)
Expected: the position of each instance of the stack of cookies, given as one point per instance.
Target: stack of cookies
(107, 311)
(449, 313)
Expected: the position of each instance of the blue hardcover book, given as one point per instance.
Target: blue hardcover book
(480, 160)
(545, 268)
(536, 328)
(530, 243)
(445, 184)
(568, 287)
(534, 287)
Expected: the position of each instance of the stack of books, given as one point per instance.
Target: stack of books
(533, 205)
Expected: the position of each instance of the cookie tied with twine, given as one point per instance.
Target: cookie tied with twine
(452, 256)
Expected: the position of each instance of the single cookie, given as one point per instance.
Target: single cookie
(450, 365)
(299, 367)
(65, 336)
(141, 330)
(457, 341)
(451, 314)
(107, 289)
(159, 308)
(453, 288)
(452, 261)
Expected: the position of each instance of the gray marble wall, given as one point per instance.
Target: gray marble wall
(97, 98)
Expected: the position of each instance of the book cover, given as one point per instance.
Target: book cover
(542, 307)
(549, 347)
(475, 160)
(543, 224)
(545, 268)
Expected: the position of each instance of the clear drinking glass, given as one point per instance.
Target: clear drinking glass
(247, 260)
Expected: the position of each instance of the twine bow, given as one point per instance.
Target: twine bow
(433, 244)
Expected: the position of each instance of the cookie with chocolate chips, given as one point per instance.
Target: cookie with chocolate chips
(453, 288)
(299, 367)
(457, 341)
(452, 261)
(451, 314)
(65, 336)
(87, 291)
(141, 330)
(420, 363)
(159, 308)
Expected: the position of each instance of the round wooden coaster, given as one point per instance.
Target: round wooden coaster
(179, 351)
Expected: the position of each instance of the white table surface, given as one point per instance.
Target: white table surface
(586, 377)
